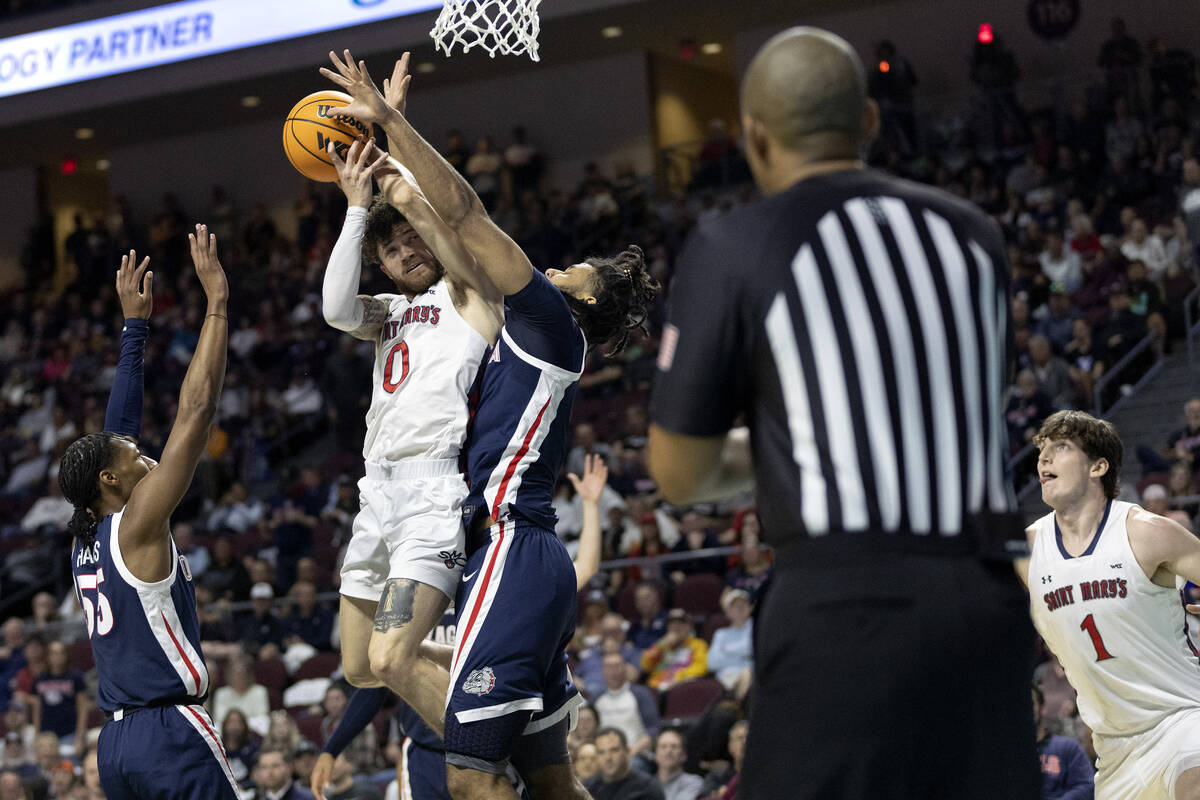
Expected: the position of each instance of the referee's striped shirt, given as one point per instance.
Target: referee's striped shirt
(860, 323)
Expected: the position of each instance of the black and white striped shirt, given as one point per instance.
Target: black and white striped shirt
(860, 323)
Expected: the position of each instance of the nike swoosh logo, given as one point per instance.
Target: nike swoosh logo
(467, 578)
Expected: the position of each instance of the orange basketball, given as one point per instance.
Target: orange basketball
(311, 125)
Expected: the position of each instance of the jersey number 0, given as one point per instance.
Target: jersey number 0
(389, 385)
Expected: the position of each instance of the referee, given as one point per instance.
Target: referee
(858, 323)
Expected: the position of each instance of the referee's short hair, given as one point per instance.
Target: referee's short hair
(1097, 437)
(617, 732)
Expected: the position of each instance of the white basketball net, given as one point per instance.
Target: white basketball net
(509, 27)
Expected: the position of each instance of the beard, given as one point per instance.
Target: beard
(407, 285)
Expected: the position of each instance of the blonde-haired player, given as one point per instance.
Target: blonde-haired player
(1103, 578)
(407, 551)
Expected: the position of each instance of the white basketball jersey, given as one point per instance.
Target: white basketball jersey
(425, 362)
(1121, 638)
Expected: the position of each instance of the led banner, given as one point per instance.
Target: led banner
(175, 32)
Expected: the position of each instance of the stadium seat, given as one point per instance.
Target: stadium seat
(310, 728)
(271, 673)
(81, 655)
(275, 697)
(699, 595)
(715, 620)
(322, 665)
(95, 717)
(683, 703)
(382, 720)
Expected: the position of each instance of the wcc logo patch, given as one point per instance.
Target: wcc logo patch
(453, 558)
(480, 681)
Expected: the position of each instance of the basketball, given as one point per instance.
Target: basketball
(311, 125)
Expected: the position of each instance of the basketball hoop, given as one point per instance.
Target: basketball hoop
(508, 27)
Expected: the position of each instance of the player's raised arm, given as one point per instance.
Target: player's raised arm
(1164, 549)
(361, 316)
(135, 288)
(448, 192)
(143, 530)
(589, 488)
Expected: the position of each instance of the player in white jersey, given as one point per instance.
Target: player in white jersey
(407, 550)
(1104, 579)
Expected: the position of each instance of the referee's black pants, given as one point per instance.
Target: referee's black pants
(891, 675)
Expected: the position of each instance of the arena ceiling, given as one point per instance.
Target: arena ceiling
(39, 128)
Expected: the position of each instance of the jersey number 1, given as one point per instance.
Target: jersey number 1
(98, 615)
(1089, 625)
(388, 367)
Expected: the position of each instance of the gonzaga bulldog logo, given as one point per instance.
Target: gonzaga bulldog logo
(480, 681)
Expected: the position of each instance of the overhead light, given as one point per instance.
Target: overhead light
(426, 67)
(710, 48)
(84, 133)
(103, 165)
(611, 32)
(251, 101)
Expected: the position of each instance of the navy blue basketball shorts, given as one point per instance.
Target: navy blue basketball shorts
(168, 753)
(516, 613)
(422, 773)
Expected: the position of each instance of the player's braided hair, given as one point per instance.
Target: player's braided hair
(623, 300)
(79, 479)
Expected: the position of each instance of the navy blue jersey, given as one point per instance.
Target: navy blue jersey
(517, 442)
(145, 636)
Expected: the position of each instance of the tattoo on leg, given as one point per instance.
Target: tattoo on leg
(396, 606)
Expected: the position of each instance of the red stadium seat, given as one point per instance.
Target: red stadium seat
(715, 620)
(275, 697)
(382, 720)
(271, 673)
(310, 729)
(322, 665)
(81, 655)
(95, 717)
(685, 702)
(699, 595)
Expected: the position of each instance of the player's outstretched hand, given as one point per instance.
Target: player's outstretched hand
(320, 775)
(591, 485)
(395, 88)
(368, 105)
(208, 267)
(137, 296)
(354, 174)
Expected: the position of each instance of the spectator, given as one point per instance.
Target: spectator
(1060, 265)
(1123, 131)
(1052, 373)
(1083, 358)
(718, 782)
(47, 751)
(16, 721)
(308, 622)
(91, 776)
(11, 787)
(651, 621)
(731, 655)
(1146, 300)
(586, 726)
(49, 513)
(1156, 501)
(274, 776)
(590, 672)
(1141, 245)
(483, 169)
(616, 779)
(1028, 408)
(304, 760)
(225, 577)
(588, 630)
(261, 632)
(670, 754)
(60, 700)
(586, 761)
(525, 163)
(695, 537)
(16, 756)
(1057, 318)
(629, 707)
(585, 445)
(1067, 774)
(363, 748)
(676, 657)
(242, 694)
(35, 664)
(237, 510)
(241, 745)
(1183, 483)
(196, 554)
(1120, 56)
(282, 733)
(456, 151)
(342, 785)
(1121, 329)
(1189, 201)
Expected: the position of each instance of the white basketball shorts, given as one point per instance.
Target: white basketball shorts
(409, 525)
(1146, 765)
